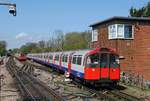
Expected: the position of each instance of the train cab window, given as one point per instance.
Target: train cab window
(104, 60)
(92, 61)
(79, 60)
(114, 61)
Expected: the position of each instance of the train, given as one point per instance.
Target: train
(21, 57)
(94, 66)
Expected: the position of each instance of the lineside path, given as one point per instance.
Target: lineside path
(8, 88)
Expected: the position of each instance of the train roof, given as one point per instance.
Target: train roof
(80, 52)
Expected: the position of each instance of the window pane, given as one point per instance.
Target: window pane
(104, 60)
(112, 31)
(94, 35)
(120, 31)
(128, 31)
(66, 58)
(79, 60)
(57, 57)
(51, 57)
(113, 61)
(63, 58)
(92, 61)
(74, 60)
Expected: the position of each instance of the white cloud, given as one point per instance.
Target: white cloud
(24, 36)
(21, 35)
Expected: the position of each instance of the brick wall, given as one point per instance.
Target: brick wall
(136, 51)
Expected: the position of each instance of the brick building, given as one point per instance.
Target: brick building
(130, 36)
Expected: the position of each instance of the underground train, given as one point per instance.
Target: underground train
(21, 57)
(100, 65)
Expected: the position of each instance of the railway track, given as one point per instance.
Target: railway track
(102, 94)
(31, 88)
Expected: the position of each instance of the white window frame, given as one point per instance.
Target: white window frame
(94, 35)
(115, 36)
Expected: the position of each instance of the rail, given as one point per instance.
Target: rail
(30, 87)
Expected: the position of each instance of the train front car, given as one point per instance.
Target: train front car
(102, 67)
(22, 57)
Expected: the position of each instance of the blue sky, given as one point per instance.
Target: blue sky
(38, 19)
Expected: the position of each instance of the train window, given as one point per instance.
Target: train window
(92, 61)
(74, 60)
(66, 57)
(79, 60)
(50, 57)
(114, 61)
(104, 60)
(63, 58)
(57, 57)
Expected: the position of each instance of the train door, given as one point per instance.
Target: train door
(104, 65)
(57, 57)
(77, 65)
(60, 61)
(114, 67)
(109, 66)
(50, 58)
(65, 62)
(69, 63)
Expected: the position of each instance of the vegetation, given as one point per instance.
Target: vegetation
(59, 42)
(141, 12)
(3, 45)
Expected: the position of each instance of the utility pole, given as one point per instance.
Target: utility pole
(12, 8)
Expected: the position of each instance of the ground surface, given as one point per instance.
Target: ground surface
(47, 77)
(10, 92)
(8, 89)
(137, 92)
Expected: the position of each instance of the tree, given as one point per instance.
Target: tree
(3, 45)
(41, 44)
(29, 47)
(77, 40)
(60, 42)
(140, 12)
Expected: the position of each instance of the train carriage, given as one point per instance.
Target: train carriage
(99, 65)
(21, 57)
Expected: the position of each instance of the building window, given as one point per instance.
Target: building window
(128, 31)
(123, 31)
(94, 35)
(112, 31)
(120, 29)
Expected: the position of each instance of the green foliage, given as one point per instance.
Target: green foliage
(3, 45)
(60, 42)
(140, 12)
(76, 40)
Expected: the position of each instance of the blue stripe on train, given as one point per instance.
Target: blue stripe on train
(64, 69)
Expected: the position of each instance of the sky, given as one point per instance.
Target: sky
(38, 19)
